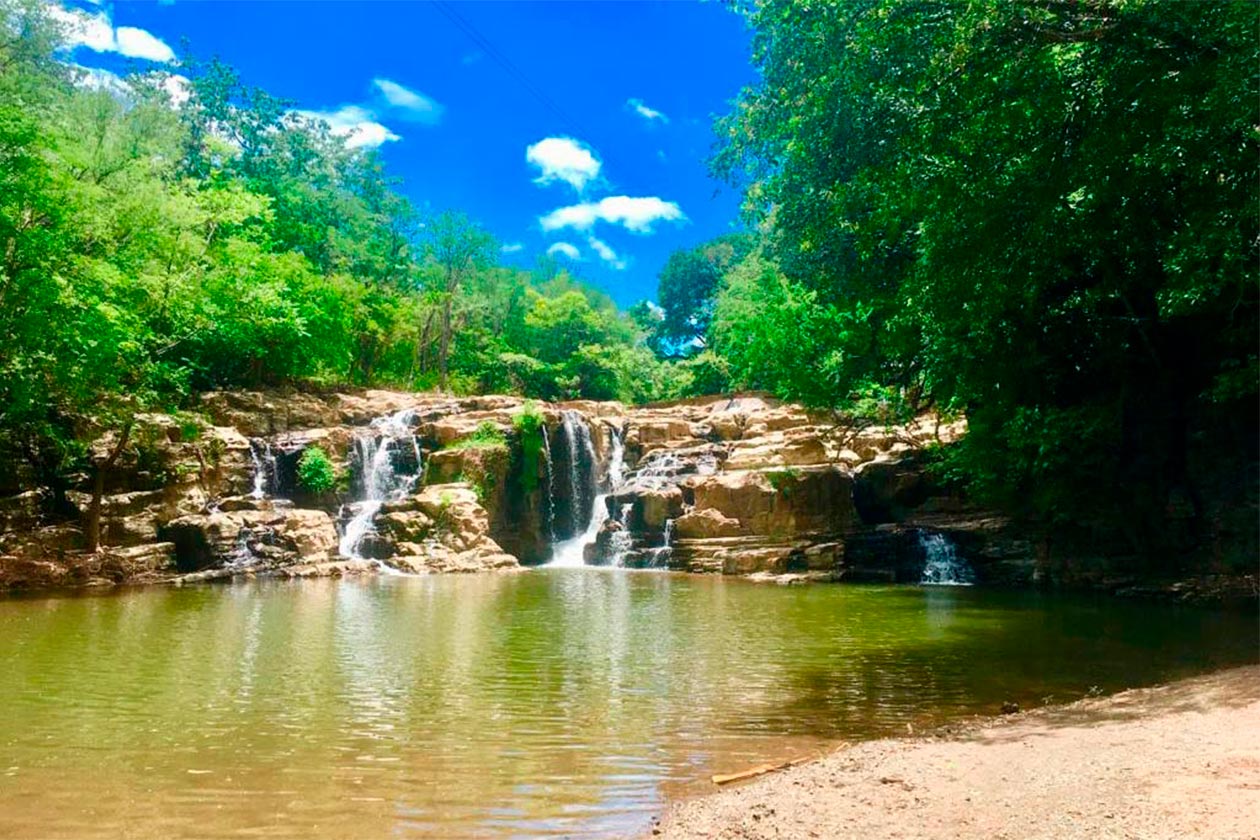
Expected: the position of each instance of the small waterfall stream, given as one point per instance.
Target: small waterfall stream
(943, 567)
(264, 461)
(658, 556)
(572, 552)
(381, 481)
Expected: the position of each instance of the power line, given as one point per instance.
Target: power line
(503, 61)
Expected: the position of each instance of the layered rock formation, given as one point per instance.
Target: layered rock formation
(432, 483)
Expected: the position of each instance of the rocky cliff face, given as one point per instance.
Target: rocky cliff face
(734, 485)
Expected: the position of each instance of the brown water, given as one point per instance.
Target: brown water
(565, 702)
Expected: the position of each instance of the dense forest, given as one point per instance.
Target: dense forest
(1042, 216)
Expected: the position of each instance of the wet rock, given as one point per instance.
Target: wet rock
(887, 490)
(706, 524)
(442, 528)
(222, 538)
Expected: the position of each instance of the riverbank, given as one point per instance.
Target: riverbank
(1175, 761)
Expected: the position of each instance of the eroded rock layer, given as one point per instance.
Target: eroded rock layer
(431, 483)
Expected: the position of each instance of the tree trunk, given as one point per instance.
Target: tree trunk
(92, 527)
(445, 348)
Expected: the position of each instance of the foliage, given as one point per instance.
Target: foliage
(1040, 214)
(486, 436)
(782, 480)
(530, 431)
(316, 472)
(149, 252)
(688, 285)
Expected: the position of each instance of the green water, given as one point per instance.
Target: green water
(565, 702)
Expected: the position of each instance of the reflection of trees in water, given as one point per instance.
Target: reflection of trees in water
(559, 699)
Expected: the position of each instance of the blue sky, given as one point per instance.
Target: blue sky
(591, 142)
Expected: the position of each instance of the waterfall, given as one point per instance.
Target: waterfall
(381, 481)
(620, 542)
(264, 468)
(551, 487)
(582, 461)
(243, 557)
(943, 566)
(661, 554)
(572, 552)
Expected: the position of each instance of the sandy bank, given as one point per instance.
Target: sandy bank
(1176, 761)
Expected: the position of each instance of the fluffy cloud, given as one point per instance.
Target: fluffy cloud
(512, 247)
(563, 159)
(649, 114)
(409, 104)
(138, 43)
(96, 32)
(356, 124)
(565, 249)
(606, 253)
(635, 214)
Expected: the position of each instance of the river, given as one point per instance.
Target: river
(567, 702)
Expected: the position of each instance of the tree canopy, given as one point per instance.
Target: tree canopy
(1042, 214)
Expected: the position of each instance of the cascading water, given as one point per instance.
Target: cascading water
(658, 556)
(572, 552)
(943, 566)
(264, 468)
(621, 541)
(551, 487)
(381, 481)
(581, 462)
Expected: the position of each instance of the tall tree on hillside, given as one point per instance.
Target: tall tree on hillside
(459, 247)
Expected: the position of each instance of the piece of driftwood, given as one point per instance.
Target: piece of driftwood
(752, 772)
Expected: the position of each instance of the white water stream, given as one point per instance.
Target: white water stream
(381, 482)
(943, 566)
(572, 552)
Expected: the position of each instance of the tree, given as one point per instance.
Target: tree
(459, 247)
(686, 290)
(1044, 211)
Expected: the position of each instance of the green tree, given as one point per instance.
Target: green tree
(1044, 212)
(687, 288)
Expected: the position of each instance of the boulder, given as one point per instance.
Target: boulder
(783, 502)
(442, 528)
(886, 490)
(706, 524)
(265, 538)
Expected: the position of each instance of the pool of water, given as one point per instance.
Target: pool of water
(568, 702)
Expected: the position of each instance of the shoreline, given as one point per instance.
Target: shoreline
(1176, 760)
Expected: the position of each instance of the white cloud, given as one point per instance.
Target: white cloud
(96, 32)
(634, 214)
(356, 124)
(512, 247)
(606, 253)
(138, 43)
(81, 29)
(410, 105)
(177, 88)
(565, 249)
(649, 114)
(563, 159)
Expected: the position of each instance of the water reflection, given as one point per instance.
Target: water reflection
(563, 702)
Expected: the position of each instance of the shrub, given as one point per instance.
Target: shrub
(528, 425)
(485, 436)
(316, 472)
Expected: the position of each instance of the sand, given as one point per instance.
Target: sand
(1176, 761)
